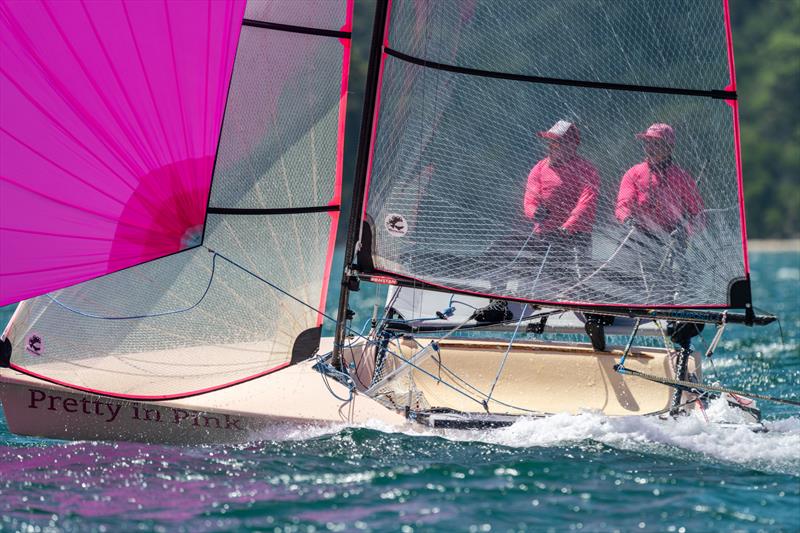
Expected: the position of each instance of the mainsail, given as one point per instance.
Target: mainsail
(241, 296)
(464, 89)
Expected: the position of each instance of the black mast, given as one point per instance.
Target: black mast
(349, 281)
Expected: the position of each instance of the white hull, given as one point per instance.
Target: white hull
(539, 378)
(266, 407)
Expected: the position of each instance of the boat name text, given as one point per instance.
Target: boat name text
(112, 411)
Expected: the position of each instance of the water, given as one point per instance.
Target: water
(583, 472)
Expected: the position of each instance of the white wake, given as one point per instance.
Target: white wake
(777, 449)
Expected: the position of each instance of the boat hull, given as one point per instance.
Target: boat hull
(274, 406)
(533, 378)
(537, 378)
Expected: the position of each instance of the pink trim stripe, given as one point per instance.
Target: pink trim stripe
(740, 182)
(328, 265)
(146, 397)
(337, 186)
(348, 18)
(729, 43)
(548, 302)
(736, 137)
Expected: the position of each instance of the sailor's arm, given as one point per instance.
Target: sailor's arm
(626, 197)
(585, 207)
(532, 192)
(693, 204)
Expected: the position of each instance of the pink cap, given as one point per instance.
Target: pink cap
(659, 131)
(562, 130)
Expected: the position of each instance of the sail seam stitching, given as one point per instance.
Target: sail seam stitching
(296, 29)
(718, 94)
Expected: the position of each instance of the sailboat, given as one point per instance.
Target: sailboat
(172, 180)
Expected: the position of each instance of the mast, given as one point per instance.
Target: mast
(349, 281)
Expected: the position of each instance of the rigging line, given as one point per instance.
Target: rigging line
(277, 288)
(713, 346)
(503, 361)
(644, 279)
(325, 369)
(667, 344)
(780, 327)
(519, 252)
(280, 290)
(602, 266)
(541, 267)
(410, 363)
(373, 323)
(710, 93)
(390, 304)
(455, 376)
(630, 342)
(177, 311)
(154, 315)
(434, 345)
(696, 388)
(495, 400)
(668, 409)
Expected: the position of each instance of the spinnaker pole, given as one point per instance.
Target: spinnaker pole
(349, 281)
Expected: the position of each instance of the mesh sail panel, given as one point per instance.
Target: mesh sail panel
(322, 14)
(212, 316)
(239, 328)
(680, 43)
(575, 188)
(279, 137)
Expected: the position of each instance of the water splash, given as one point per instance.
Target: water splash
(724, 437)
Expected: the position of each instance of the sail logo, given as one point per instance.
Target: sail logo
(396, 225)
(383, 280)
(34, 344)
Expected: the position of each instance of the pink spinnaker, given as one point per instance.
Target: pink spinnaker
(110, 115)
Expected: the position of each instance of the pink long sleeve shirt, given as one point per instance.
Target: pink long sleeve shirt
(659, 200)
(568, 193)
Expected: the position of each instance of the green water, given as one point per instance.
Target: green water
(585, 472)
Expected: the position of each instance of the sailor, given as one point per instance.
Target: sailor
(561, 200)
(661, 201)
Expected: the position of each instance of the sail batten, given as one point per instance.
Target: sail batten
(722, 94)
